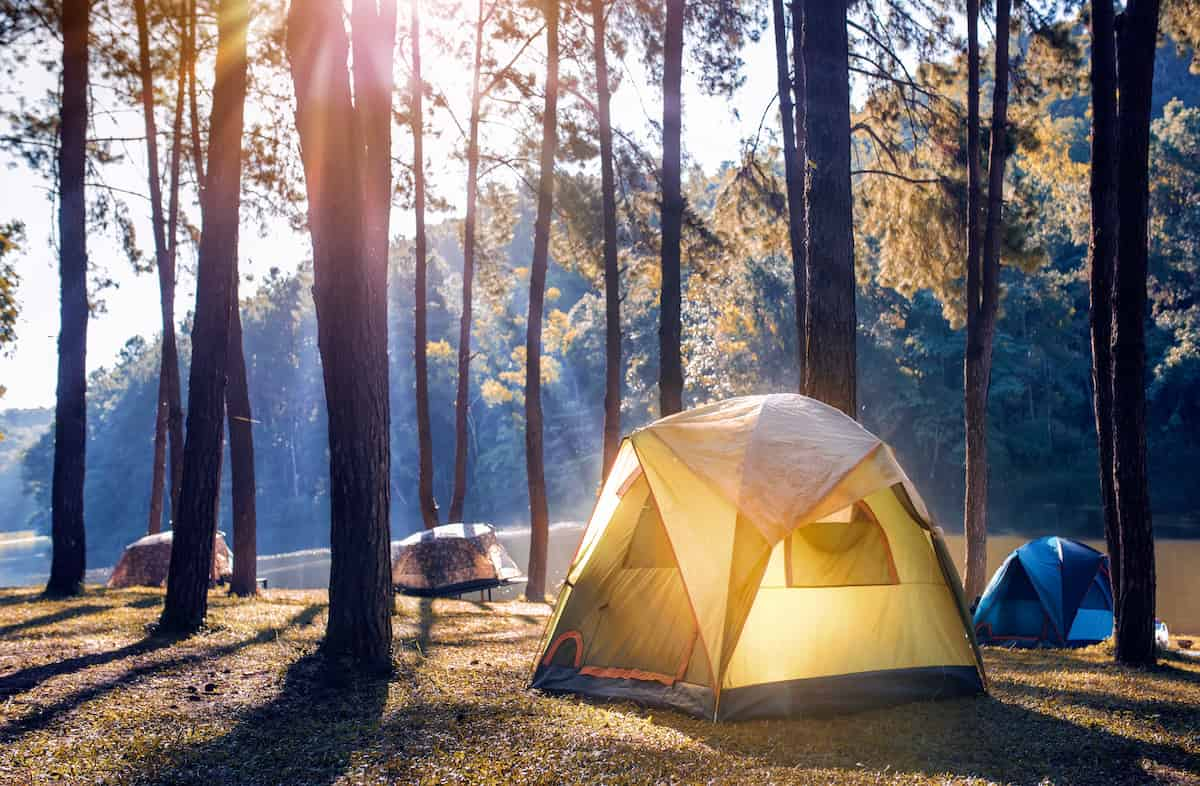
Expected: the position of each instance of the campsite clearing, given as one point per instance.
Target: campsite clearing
(85, 697)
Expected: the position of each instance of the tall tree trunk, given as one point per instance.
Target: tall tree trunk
(670, 372)
(190, 57)
(829, 352)
(429, 506)
(1137, 30)
(373, 42)
(170, 346)
(159, 468)
(981, 322)
(69, 556)
(462, 395)
(241, 460)
(539, 514)
(349, 329)
(168, 410)
(792, 169)
(974, 529)
(1102, 250)
(612, 274)
(196, 520)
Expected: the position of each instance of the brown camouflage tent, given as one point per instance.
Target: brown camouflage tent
(450, 560)
(144, 562)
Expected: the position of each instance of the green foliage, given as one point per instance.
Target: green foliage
(11, 235)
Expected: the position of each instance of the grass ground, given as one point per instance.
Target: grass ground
(86, 697)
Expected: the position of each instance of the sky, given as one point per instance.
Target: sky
(713, 130)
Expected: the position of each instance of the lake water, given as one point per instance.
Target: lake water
(25, 560)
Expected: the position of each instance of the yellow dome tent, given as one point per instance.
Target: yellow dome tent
(763, 556)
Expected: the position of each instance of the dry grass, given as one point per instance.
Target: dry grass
(86, 697)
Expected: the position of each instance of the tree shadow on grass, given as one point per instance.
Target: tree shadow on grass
(306, 734)
(62, 615)
(28, 678)
(73, 612)
(978, 737)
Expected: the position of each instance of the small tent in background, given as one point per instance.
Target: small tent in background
(145, 562)
(759, 557)
(452, 559)
(1051, 592)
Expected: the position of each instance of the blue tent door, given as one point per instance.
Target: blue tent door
(1017, 612)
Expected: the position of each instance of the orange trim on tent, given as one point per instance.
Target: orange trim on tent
(612, 672)
(620, 493)
(615, 672)
(865, 509)
(712, 677)
(681, 672)
(627, 484)
(571, 635)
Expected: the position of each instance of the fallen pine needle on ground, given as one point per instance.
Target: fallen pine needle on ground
(86, 696)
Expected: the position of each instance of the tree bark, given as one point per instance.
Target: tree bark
(612, 274)
(539, 515)
(69, 557)
(462, 395)
(792, 169)
(429, 506)
(1137, 30)
(981, 323)
(670, 373)
(189, 58)
(169, 410)
(373, 42)
(195, 525)
(241, 460)
(349, 331)
(159, 468)
(829, 353)
(1102, 251)
(974, 529)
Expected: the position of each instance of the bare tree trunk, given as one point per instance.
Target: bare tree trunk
(189, 57)
(974, 529)
(374, 22)
(241, 460)
(1102, 250)
(426, 500)
(349, 329)
(539, 514)
(170, 346)
(462, 396)
(164, 250)
(792, 169)
(981, 323)
(829, 353)
(1137, 30)
(158, 470)
(69, 554)
(612, 274)
(670, 329)
(195, 525)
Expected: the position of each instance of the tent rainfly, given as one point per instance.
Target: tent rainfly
(146, 561)
(763, 556)
(450, 560)
(1051, 592)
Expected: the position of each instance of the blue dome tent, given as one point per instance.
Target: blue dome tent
(1051, 592)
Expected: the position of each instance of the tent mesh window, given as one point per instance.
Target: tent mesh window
(846, 549)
